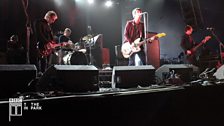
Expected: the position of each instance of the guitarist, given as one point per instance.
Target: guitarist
(135, 29)
(44, 36)
(189, 46)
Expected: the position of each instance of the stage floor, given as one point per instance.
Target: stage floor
(186, 104)
(155, 105)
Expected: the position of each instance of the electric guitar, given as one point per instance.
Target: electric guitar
(49, 47)
(194, 49)
(128, 49)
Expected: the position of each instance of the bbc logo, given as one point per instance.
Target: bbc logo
(15, 107)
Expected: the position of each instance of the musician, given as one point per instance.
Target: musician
(135, 29)
(15, 51)
(187, 43)
(65, 37)
(44, 35)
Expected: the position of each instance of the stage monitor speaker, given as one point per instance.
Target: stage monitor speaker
(185, 71)
(69, 78)
(133, 76)
(15, 79)
(219, 74)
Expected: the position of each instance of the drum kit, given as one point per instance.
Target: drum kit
(78, 53)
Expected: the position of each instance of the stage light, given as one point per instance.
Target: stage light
(108, 3)
(90, 1)
(78, 0)
(59, 2)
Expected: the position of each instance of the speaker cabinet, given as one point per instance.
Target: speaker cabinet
(69, 78)
(106, 56)
(15, 79)
(184, 70)
(153, 51)
(96, 50)
(132, 76)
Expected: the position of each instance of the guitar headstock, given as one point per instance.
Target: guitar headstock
(207, 38)
(159, 35)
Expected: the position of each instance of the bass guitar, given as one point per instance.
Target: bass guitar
(128, 49)
(49, 47)
(194, 49)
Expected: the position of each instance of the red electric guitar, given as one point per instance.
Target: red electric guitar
(49, 47)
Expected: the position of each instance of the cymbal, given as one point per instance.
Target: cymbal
(87, 37)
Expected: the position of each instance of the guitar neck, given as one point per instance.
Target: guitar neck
(144, 41)
(150, 38)
(197, 46)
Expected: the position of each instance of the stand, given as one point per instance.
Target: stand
(28, 30)
(145, 17)
(90, 53)
(28, 45)
(220, 45)
(90, 45)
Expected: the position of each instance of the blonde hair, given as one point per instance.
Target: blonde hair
(50, 14)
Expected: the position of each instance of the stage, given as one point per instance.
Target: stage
(155, 105)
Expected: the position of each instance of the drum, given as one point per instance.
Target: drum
(69, 47)
(79, 46)
(75, 58)
(56, 57)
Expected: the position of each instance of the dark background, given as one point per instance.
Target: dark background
(169, 16)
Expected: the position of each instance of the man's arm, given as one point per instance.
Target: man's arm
(127, 37)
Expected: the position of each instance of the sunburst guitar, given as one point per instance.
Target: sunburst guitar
(128, 49)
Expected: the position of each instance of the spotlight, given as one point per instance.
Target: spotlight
(108, 3)
(90, 1)
(59, 2)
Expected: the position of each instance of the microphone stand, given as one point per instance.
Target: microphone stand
(220, 45)
(145, 17)
(28, 30)
(90, 53)
(90, 45)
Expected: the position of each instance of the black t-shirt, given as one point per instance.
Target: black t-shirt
(63, 38)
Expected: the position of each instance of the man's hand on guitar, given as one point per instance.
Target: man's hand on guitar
(64, 43)
(189, 52)
(153, 38)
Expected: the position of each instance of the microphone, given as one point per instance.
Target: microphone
(143, 13)
(210, 28)
(89, 27)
